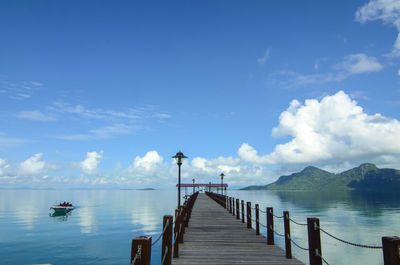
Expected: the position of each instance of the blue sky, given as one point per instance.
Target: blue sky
(103, 93)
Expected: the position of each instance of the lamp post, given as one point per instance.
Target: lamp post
(193, 186)
(179, 157)
(222, 183)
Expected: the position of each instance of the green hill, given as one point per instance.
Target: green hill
(365, 177)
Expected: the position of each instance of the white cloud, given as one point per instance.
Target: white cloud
(333, 129)
(4, 167)
(150, 160)
(89, 165)
(33, 166)
(352, 64)
(359, 63)
(386, 10)
(263, 59)
(100, 133)
(10, 141)
(35, 115)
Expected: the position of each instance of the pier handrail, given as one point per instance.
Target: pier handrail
(390, 245)
(141, 245)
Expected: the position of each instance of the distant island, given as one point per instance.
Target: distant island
(139, 189)
(364, 177)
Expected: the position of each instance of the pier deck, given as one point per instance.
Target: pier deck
(215, 236)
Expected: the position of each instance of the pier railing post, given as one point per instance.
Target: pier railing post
(141, 246)
(248, 214)
(167, 239)
(391, 250)
(176, 234)
(181, 227)
(237, 209)
(288, 242)
(314, 241)
(257, 220)
(270, 226)
(242, 211)
(230, 204)
(233, 206)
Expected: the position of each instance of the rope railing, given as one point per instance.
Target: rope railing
(297, 223)
(297, 245)
(165, 255)
(141, 245)
(137, 256)
(348, 242)
(162, 233)
(313, 232)
(270, 227)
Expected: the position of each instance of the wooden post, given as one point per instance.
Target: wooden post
(270, 226)
(257, 220)
(288, 242)
(314, 241)
(167, 239)
(233, 206)
(230, 204)
(181, 225)
(176, 233)
(391, 250)
(242, 211)
(237, 209)
(141, 246)
(248, 214)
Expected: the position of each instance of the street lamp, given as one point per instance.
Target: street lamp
(222, 182)
(179, 157)
(193, 185)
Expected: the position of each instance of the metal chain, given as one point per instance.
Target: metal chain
(165, 255)
(159, 237)
(296, 222)
(350, 243)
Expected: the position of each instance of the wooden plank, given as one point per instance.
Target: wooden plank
(214, 236)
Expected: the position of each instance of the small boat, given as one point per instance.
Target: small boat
(62, 207)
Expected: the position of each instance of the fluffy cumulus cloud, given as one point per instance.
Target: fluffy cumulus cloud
(33, 166)
(386, 10)
(150, 160)
(333, 129)
(89, 165)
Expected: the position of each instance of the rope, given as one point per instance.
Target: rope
(318, 255)
(138, 254)
(165, 255)
(306, 249)
(296, 222)
(159, 237)
(263, 225)
(262, 211)
(278, 216)
(350, 243)
(276, 232)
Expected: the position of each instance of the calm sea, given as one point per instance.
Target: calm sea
(100, 229)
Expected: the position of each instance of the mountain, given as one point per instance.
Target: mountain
(364, 177)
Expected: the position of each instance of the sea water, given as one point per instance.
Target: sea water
(101, 228)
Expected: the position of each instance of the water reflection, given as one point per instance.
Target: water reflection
(61, 217)
(367, 203)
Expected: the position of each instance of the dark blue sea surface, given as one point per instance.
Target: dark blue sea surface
(101, 228)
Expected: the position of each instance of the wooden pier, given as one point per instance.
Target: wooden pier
(214, 236)
(211, 229)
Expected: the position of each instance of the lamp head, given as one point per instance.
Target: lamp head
(179, 157)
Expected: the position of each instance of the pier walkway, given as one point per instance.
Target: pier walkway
(214, 236)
